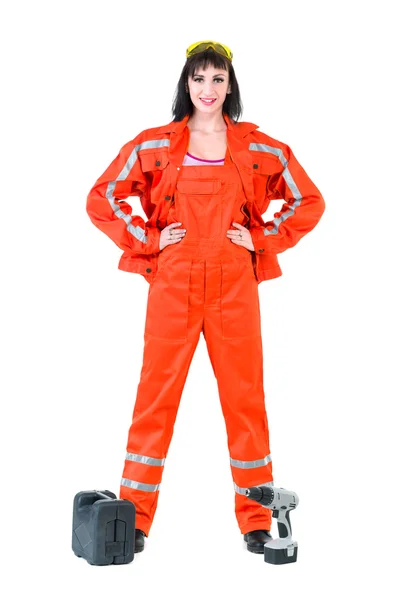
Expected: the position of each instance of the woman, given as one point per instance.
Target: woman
(204, 181)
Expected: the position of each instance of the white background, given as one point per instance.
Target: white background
(80, 80)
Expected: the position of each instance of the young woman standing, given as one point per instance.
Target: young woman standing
(204, 181)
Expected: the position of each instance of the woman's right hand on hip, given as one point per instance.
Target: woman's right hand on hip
(171, 235)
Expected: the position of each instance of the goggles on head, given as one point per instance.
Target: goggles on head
(201, 46)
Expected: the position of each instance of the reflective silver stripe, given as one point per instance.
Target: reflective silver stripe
(251, 464)
(153, 144)
(242, 491)
(156, 462)
(138, 485)
(289, 180)
(137, 231)
(265, 148)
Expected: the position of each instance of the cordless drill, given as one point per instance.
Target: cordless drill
(283, 549)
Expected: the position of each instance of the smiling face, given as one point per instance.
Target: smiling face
(212, 84)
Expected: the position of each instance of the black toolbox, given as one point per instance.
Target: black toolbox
(103, 529)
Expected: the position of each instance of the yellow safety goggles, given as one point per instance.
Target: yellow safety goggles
(201, 46)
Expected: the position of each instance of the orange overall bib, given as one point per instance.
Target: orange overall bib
(204, 283)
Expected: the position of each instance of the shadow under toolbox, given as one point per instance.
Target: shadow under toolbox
(103, 529)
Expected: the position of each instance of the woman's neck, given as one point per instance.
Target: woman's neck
(207, 123)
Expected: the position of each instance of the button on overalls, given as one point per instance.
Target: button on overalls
(204, 283)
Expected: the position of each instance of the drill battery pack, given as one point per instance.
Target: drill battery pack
(103, 529)
(280, 551)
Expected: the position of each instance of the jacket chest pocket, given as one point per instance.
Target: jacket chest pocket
(155, 166)
(264, 166)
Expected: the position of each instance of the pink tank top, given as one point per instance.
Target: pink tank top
(193, 160)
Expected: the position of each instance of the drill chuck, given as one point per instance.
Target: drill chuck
(262, 494)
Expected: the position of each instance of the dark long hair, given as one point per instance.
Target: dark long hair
(182, 104)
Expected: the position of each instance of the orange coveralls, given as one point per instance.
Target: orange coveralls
(204, 283)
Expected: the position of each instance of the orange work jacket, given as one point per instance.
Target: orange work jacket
(148, 167)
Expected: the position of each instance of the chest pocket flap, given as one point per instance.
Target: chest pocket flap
(153, 161)
(198, 186)
(265, 164)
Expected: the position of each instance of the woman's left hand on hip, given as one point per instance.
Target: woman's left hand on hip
(241, 236)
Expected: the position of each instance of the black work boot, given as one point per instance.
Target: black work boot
(256, 540)
(139, 540)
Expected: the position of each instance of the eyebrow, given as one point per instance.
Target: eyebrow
(216, 75)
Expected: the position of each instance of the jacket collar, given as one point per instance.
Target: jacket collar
(240, 129)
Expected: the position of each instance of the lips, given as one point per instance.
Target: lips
(204, 101)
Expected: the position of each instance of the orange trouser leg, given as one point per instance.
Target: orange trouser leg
(174, 321)
(234, 344)
(157, 401)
